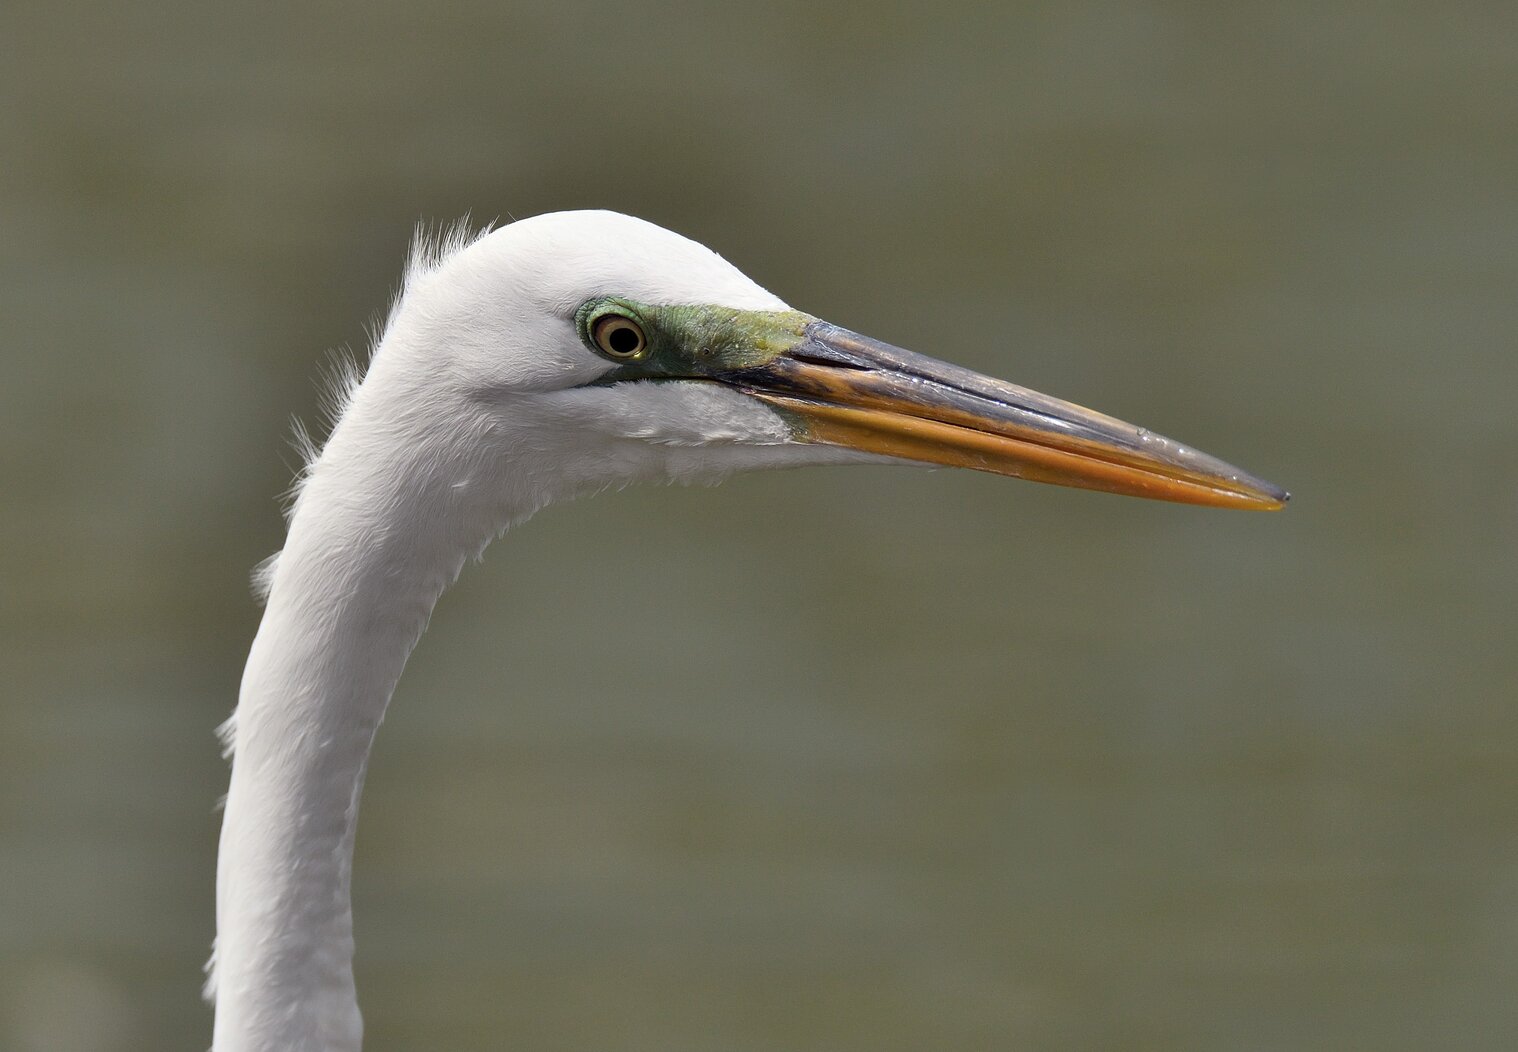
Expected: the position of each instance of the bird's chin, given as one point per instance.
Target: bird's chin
(713, 464)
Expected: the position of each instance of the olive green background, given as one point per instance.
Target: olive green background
(864, 759)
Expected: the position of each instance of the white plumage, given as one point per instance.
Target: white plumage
(472, 416)
(488, 396)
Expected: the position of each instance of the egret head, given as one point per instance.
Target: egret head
(613, 350)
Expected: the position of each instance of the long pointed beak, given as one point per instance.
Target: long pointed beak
(844, 389)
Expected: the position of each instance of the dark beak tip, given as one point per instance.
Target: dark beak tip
(1276, 493)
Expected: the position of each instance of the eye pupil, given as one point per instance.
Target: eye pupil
(623, 339)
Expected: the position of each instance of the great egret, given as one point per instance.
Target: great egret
(553, 357)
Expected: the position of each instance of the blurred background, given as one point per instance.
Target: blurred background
(944, 761)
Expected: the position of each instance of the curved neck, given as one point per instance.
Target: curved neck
(367, 556)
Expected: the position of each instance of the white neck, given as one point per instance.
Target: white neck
(374, 541)
(477, 410)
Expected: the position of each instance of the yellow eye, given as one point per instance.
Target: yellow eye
(618, 336)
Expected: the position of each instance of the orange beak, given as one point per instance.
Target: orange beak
(843, 389)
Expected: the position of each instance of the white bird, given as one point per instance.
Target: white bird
(553, 357)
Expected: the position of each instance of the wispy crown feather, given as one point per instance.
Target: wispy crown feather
(339, 376)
